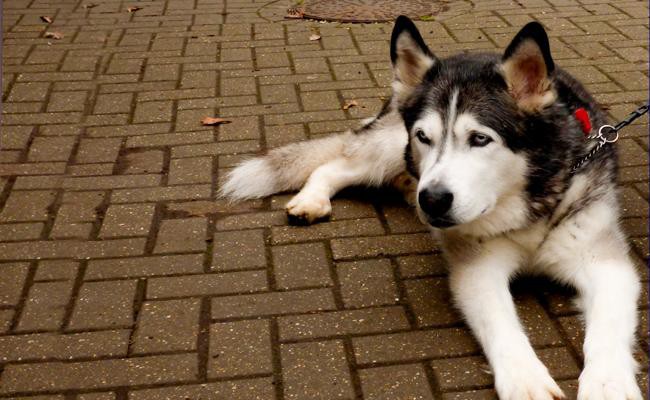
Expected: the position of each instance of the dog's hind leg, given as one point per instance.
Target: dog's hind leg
(312, 203)
(609, 290)
(480, 285)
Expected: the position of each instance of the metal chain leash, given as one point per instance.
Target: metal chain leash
(609, 134)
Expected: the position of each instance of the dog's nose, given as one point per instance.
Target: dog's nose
(435, 201)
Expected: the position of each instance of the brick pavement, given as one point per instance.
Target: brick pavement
(121, 276)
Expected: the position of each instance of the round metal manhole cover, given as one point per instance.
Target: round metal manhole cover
(381, 10)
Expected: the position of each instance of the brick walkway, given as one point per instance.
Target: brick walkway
(121, 276)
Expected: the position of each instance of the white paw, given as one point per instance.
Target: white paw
(308, 208)
(527, 380)
(603, 382)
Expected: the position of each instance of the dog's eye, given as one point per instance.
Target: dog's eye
(479, 139)
(419, 133)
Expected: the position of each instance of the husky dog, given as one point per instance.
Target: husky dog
(491, 140)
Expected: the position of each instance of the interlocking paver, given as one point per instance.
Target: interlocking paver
(122, 276)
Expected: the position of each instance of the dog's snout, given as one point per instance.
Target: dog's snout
(436, 202)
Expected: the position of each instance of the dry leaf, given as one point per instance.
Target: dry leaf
(349, 103)
(54, 35)
(210, 121)
(46, 19)
(90, 5)
(314, 37)
(133, 9)
(295, 12)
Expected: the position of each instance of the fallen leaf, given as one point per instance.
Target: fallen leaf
(314, 37)
(54, 35)
(214, 121)
(349, 103)
(295, 12)
(46, 19)
(133, 9)
(90, 5)
(427, 18)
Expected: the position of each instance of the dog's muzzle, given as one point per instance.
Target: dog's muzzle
(435, 202)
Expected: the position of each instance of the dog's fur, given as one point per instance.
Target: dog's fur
(491, 140)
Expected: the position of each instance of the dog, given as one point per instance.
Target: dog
(493, 146)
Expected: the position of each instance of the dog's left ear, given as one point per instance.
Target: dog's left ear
(527, 67)
(410, 56)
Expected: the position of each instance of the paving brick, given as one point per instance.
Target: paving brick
(127, 220)
(59, 376)
(181, 235)
(114, 299)
(113, 103)
(257, 388)
(144, 266)
(188, 192)
(278, 93)
(240, 128)
(407, 381)
(237, 86)
(11, 285)
(344, 228)
(56, 270)
(339, 323)
(170, 325)
(274, 303)
(45, 306)
(98, 150)
(316, 370)
(419, 266)
(301, 265)
(431, 302)
(153, 111)
(29, 91)
(237, 250)
(20, 231)
(207, 284)
(150, 161)
(51, 148)
(67, 101)
(15, 137)
(327, 100)
(161, 72)
(386, 245)
(64, 346)
(413, 345)
(190, 170)
(27, 205)
(367, 283)
(240, 348)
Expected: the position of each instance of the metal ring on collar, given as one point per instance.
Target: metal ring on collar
(602, 135)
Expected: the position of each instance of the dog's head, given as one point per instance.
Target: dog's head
(466, 125)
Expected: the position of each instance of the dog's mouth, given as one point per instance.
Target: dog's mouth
(441, 223)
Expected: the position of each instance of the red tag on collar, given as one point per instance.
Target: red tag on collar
(583, 117)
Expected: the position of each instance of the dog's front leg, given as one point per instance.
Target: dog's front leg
(609, 290)
(480, 287)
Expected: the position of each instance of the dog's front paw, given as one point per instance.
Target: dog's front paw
(306, 209)
(526, 381)
(603, 382)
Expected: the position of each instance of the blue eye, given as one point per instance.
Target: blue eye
(419, 133)
(479, 140)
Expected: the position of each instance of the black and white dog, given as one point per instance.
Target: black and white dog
(491, 140)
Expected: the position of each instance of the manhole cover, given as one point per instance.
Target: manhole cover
(378, 10)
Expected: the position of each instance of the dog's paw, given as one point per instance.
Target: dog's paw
(608, 383)
(526, 381)
(306, 209)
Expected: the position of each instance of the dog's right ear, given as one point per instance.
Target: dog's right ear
(410, 56)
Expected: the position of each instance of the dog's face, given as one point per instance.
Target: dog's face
(464, 118)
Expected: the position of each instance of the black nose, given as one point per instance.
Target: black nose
(436, 202)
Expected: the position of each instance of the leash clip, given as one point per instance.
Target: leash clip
(607, 134)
